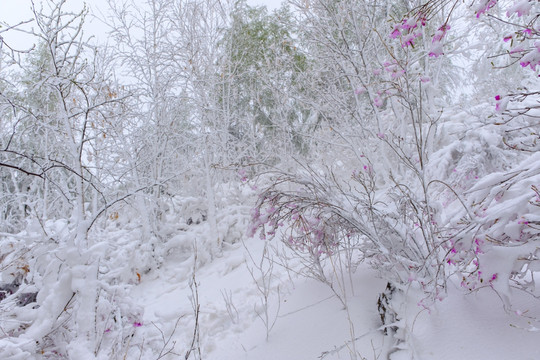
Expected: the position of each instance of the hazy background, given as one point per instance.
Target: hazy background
(14, 11)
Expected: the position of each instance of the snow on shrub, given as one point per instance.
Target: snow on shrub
(499, 246)
(320, 216)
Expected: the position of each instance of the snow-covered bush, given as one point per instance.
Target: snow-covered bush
(497, 246)
(434, 194)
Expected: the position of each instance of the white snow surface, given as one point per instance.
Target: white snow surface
(312, 323)
(306, 319)
(251, 282)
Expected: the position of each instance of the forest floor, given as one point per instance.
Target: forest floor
(237, 295)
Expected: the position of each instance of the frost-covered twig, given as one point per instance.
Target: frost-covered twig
(264, 280)
(164, 351)
(229, 305)
(195, 345)
(347, 344)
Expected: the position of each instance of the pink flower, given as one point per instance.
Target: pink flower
(532, 59)
(359, 90)
(377, 101)
(483, 6)
(137, 324)
(243, 176)
(394, 34)
(521, 7)
(408, 40)
(436, 49)
(398, 73)
(501, 104)
(408, 24)
(440, 33)
(436, 45)
(507, 38)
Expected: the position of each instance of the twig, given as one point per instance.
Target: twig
(163, 352)
(196, 309)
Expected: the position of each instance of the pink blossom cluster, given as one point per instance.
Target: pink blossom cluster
(367, 170)
(378, 101)
(532, 58)
(456, 252)
(478, 246)
(260, 220)
(360, 90)
(312, 235)
(408, 31)
(520, 7)
(242, 174)
(309, 232)
(436, 49)
(394, 69)
(458, 255)
(471, 283)
(483, 6)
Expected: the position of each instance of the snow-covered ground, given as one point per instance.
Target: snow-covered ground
(252, 300)
(311, 322)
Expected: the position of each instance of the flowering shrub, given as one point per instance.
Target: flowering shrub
(317, 218)
(313, 227)
(493, 244)
(499, 246)
(522, 15)
(415, 220)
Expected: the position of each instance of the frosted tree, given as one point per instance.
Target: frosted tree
(160, 131)
(265, 67)
(61, 106)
